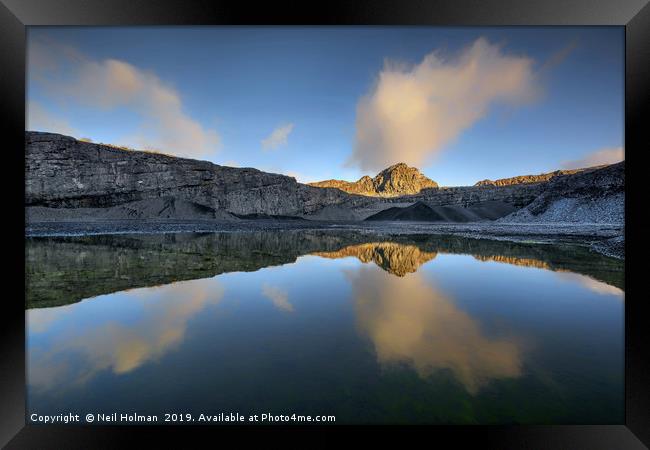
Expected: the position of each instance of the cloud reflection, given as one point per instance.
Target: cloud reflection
(279, 297)
(409, 321)
(592, 284)
(151, 323)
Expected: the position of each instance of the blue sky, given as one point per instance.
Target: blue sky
(461, 104)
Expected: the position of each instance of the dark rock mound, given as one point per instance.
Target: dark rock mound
(421, 212)
(417, 212)
(258, 216)
(491, 210)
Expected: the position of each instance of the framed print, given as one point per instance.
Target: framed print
(371, 217)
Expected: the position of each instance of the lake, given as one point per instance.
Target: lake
(360, 326)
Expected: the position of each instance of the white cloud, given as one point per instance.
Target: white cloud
(278, 137)
(40, 119)
(597, 158)
(108, 84)
(412, 112)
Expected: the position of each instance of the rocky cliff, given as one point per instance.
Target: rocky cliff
(394, 181)
(67, 179)
(594, 196)
(62, 172)
(523, 179)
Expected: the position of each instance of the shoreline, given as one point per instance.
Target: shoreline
(605, 239)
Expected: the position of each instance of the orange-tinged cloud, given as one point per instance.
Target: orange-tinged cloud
(39, 118)
(412, 113)
(597, 158)
(70, 77)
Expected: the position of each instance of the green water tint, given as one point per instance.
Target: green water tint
(372, 329)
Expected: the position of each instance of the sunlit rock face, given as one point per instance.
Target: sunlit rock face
(410, 321)
(397, 259)
(524, 179)
(394, 181)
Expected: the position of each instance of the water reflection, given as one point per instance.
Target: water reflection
(411, 321)
(61, 270)
(396, 258)
(592, 284)
(278, 296)
(517, 261)
(155, 324)
(407, 328)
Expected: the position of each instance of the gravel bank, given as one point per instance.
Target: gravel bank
(608, 209)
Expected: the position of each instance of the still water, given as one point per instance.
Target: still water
(370, 329)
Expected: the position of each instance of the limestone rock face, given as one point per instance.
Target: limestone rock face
(62, 172)
(394, 181)
(77, 178)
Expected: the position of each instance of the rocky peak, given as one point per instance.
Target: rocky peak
(394, 181)
(400, 179)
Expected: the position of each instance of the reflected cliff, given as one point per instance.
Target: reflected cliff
(64, 270)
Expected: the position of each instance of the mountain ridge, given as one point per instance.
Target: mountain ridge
(72, 180)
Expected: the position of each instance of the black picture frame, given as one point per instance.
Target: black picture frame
(16, 15)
